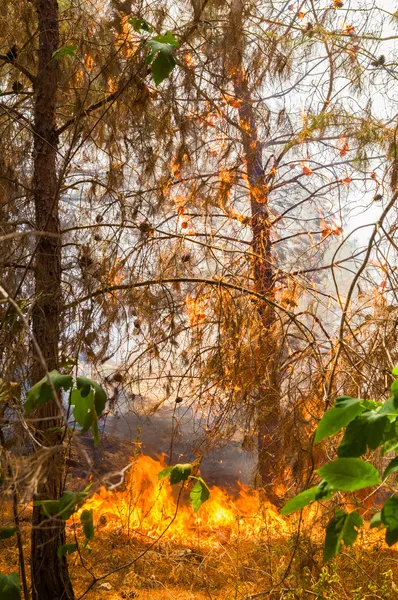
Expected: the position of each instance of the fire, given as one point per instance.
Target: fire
(148, 508)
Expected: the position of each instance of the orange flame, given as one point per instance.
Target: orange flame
(148, 507)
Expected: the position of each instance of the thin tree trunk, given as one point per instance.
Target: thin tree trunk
(268, 395)
(50, 577)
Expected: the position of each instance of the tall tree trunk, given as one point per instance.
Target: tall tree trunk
(268, 394)
(50, 578)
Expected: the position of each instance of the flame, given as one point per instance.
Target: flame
(147, 507)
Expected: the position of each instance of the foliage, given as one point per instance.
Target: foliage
(10, 587)
(182, 472)
(368, 425)
(87, 397)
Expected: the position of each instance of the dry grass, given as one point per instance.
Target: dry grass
(232, 571)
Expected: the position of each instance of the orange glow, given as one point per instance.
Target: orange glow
(195, 308)
(146, 507)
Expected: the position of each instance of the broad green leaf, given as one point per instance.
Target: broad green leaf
(344, 411)
(10, 588)
(392, 467)
(365, 431)
(324, 491)
(394, 388)
(7, 532)
(166, 38)
(395, 371)
(319, 492)
(87, 522)
(180, 472)
(140, 24)
(389, 516)
(66, 549)
(342, 528)
(69, 503)
(64, 507)
(162, 66)
(160, 57)
(349, 474)
(376, 521)
(48, 508)
(199, 494)
(390, 439)
(390, 406)
(84, 384)
(68, 50)
(82, 405)
(165, 473)
(88, 421)
(41, 392)
(300, 501)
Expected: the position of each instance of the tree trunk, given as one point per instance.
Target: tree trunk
(268, 395)
(50, 577)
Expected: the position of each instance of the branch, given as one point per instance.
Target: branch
(18, 66)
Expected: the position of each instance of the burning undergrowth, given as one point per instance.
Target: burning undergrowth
(147, 506)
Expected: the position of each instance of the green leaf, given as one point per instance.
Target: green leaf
(166, 38)
(390, 439)
(366, 431)
(300, 501)
(390, 406)
(392, 467)
(82, 404)
(162, 66)
(68, 50)
(66, 549)
(319, 492)
(199, 494)
(180, 472)
(7, 532)
(389, 516)
(165, 473)
(64, 507)
(349, 474)
(41, 392)
(87, 522)
(69, 503)
(88, 421)
(84, 384)
(160, 57)
(342, 528)
(395, 371)
(344, 411)
(48, 508)
(10, 588)
(376, 520)
(140, 24)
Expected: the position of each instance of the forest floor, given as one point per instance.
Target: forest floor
(281, 567)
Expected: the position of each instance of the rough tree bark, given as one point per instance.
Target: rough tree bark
(50, 578)
(267, 397)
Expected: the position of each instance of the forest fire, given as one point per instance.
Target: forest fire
(149, 507)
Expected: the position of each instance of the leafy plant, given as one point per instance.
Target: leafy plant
(182, 472)
(10, 588)
(87, 397)
(161, 48)
(367, 425)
